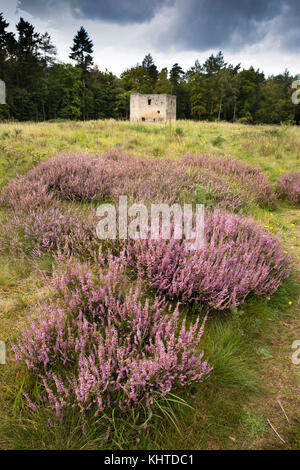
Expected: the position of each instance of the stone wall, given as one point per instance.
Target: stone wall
(152, 107)
(2, 92)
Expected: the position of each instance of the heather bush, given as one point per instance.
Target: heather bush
(82, 178)
(100, 344)
(288, 187)
(252, 180)
(70, 177)
(167, 181)
(50, 230)
(22, 193)
(239, 258)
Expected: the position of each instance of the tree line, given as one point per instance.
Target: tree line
(39, 87)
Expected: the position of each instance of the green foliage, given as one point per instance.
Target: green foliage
(150, 67)
(204, 196)
(137, 80)
(247, 119)
(255, 425)
(163, 84)
(4, 112)
(197, 91)
(218, 141)
(179, 131)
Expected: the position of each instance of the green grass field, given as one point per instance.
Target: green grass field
(251, 347)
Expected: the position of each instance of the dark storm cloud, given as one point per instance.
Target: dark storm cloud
(120, 11)
(288, 29)
(216, 23)
(115, 11)
(233, 24)
(197, 24)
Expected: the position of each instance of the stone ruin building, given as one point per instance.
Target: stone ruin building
(2, 92)
(152, 108)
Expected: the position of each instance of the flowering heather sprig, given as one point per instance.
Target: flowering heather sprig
(251, 179)
(100, 343)
(239, 258)
(288, 187)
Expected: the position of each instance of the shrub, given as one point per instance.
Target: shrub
(101, 344)
(50, 230)
(251, 180)
(22, 193)
(82, 178)
(166, 180)
(239, 258)
(179, 131)
(71, 177)
(288, 187)
(218, 141)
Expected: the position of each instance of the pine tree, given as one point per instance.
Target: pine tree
(197, 90)
(176, 73)
(6, 41)
(149, 65)
(214, 64)
(179, 88)
(48, 50)
(82, 50)
(28, 40)
(27, 54)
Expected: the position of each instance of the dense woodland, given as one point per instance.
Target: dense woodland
(39, 87)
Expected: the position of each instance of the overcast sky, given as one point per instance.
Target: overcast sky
(262, 33)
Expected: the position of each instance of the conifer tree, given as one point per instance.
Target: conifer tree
(82, 49)
(6, 42)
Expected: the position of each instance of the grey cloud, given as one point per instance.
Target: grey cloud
(40, 8)
(205, 24)
(288, 27)
(119, 11)
(196, 24)
(115, 11)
